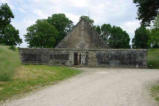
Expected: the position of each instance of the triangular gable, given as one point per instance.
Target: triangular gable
(83, 36)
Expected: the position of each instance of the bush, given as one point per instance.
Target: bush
(9, 61)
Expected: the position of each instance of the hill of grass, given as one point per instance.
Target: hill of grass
(9, 61)
(153, 58)
(16, 78)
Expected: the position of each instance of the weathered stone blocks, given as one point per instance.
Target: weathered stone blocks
(86, 57)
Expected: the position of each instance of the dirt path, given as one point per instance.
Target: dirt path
(97, 87)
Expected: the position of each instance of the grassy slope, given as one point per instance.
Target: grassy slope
(153, 58)
(153, 62)
(9, 61)
(28, 77)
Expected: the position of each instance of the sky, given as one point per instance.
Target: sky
(121, 13)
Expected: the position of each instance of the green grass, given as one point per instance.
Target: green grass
(155, 92)
(18, 79)
(30, 77)
(9, 61)
(153, 62)
(153, 58)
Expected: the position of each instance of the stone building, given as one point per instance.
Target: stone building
(84, 47)
(83, 36)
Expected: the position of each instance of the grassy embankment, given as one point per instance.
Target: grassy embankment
(18, 79)
(153, 62)
(153, 58)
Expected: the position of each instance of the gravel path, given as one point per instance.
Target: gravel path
(97, 87)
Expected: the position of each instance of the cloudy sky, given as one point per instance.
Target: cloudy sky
(122, 13)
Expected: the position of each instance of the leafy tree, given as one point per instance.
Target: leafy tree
(62, 24)
(114, 36)
(154, 38)
(154, 34)
(156, 22)
(118, 38)
(97, 28)
(106, 32)
(42, 34)
(88, 19)
(147, 10)
(5, 16)
(10, 36)
(141, 38)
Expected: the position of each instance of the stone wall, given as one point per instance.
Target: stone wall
(81, 57)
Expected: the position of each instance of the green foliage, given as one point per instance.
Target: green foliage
(10, 36)
(141, 38)
(114, 36)
(62, 24)
(154, 38)
(153, 58)
(119, 38)
(147, 10)
(97, 28)
(156, 22)
(154, 34)
(155, 92)
(31, 77)
(42, 34)
(106, 30)
(88, 19)
(5, 16)
(9, 61)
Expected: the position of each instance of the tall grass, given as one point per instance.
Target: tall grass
(9, 61)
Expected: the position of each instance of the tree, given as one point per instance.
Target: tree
(10, 36)
(98, 29)
(42, 34)
(106, 32)
(154, 38)
(62, 24)
(118, 38)
(88, 19)
(154, 34)
(141, 38)
(5, 16)
(147, 10)
(156, 22)
(114, 36)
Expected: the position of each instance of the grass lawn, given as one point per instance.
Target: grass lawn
(29, 77)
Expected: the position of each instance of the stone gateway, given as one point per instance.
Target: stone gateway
(84, 47)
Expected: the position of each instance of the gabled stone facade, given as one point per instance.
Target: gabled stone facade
(83, 36)
(83, 47)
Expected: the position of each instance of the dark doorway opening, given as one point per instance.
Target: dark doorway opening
(75, 58)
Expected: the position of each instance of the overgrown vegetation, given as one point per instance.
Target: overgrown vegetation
(9, 61)
(17, 79)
